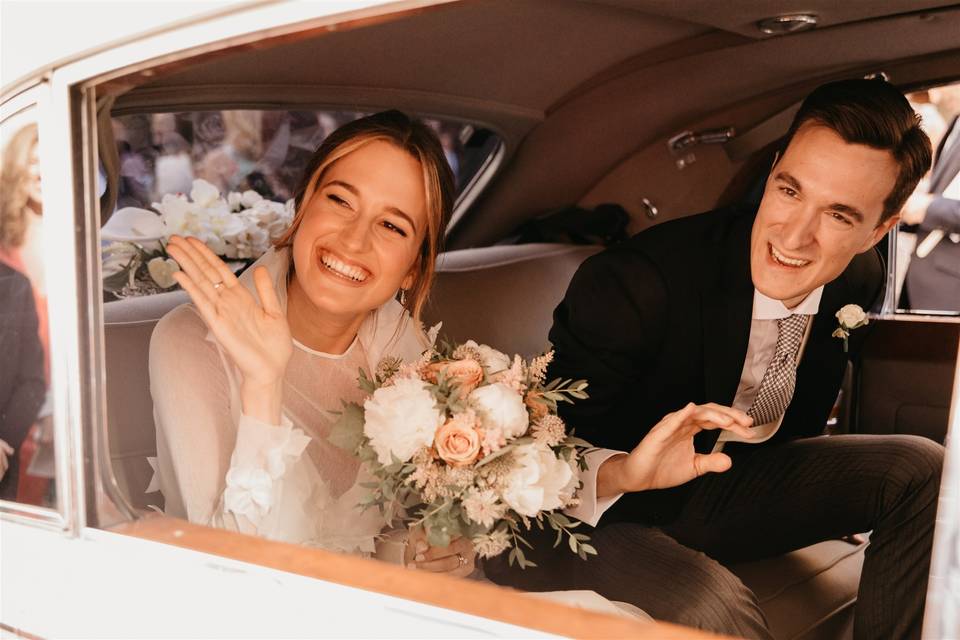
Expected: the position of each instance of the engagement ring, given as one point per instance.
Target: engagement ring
(217, 285)
(462, 562)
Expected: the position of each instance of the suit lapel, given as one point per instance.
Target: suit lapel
(821, 368)
(727, 310)
(820, 344)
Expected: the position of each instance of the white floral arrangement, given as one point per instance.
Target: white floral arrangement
(467, 442)
(238, 227)
(849, 317)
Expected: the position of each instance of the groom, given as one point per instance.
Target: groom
(737, 307)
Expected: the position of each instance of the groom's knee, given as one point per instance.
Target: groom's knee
(711, 598)
(915, 465)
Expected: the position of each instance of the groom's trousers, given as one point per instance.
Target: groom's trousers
(775, 499)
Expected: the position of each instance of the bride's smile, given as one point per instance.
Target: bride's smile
(342, 268)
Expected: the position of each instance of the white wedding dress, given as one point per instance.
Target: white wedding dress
(285, 482)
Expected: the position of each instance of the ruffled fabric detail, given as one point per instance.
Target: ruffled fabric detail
(262, 457)
(248, 493)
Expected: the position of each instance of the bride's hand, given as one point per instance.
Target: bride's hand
(255, 334)
(457, 558)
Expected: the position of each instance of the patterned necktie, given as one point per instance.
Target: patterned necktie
(776, 388)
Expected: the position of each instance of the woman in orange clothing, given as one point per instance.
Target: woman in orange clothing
(21, 250)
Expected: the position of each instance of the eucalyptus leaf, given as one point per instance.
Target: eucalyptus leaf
(561, 519)
(367, 385)
(347, 431)
(493, 456)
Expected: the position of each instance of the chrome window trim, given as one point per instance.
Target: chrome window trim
(915, 317)
(107, 505)
(889, 309)
(56, 161)
(478, 183)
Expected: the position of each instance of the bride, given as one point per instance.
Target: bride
(244, 379)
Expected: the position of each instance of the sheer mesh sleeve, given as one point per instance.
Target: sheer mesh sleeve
(215, 465)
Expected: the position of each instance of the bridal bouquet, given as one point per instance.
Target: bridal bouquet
(467, 442)
(239, 227)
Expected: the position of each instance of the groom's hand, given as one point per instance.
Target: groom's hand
(666, 458)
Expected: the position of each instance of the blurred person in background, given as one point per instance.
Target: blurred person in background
(173, 166)
(933, 275)
(22, 383)
(23, 327)
(229, 166)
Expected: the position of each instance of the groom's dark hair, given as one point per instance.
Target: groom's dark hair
(873, 113)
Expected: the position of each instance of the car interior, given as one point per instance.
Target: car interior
(664, 109)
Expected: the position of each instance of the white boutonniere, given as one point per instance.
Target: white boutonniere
(850, 317)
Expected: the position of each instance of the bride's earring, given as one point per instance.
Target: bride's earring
(403, 297)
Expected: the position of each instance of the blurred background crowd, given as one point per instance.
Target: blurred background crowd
(265, 151)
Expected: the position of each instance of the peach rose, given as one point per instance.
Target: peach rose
(467, 374)
(457, 443)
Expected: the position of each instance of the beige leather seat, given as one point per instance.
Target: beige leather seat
(503, 296)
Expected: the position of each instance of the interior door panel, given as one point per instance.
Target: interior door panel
(904, 379)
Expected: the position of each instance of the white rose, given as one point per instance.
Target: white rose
(538, 482)
(203, 193)
(263, 209)
(851, 316)
(500, 407)
(400, 419)
(214, 242)
(234, 199)
(229, 225)
(250, 198)
(175, 211)
(491, 359)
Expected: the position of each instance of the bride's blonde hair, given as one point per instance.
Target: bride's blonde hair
(422, 144)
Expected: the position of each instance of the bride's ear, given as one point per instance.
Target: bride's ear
(411, 278)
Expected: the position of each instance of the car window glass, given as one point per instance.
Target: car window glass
(928, 247)
(27, 465)
(242, 157)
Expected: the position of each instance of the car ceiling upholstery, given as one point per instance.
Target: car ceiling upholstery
(577, 88)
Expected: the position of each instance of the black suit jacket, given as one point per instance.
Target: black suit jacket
(22, 383)
(664, 319)
(933, 282)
